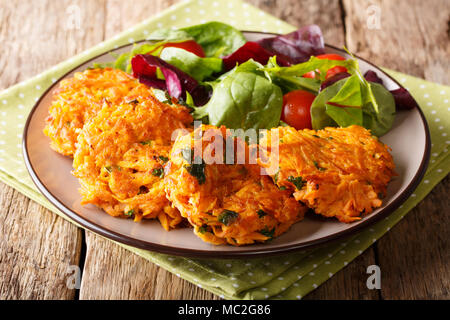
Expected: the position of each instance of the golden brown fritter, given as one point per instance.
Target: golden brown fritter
(79, 98)
(226, 203)
(339, 172)
(120, 157)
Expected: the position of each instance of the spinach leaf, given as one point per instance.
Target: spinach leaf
(289, 82)
(379, 121)
(345, 107)
(195, 66)
(243, 98)
(313, 64)
(344, 96)
(216, 38)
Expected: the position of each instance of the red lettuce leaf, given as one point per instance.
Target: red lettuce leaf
(296, 47)
(403, 99)
(176, 81)
(373, 77)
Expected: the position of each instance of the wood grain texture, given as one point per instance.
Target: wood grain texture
(325, 13)
(413, 35)
(112, 272)
(413, 256)
(350, 282)
(36, 246)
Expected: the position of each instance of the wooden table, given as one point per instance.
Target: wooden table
(37, 247)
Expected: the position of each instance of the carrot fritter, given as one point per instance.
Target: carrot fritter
(120, 157)
(226, 203)
(339, 172)
(78, 99)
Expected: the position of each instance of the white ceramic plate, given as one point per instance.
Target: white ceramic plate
(409, 139)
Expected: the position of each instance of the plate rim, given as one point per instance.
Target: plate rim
(199, 253)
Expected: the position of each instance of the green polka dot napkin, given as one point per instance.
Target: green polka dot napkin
(290, 276)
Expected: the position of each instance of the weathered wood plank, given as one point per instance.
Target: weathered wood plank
(412, 36)
(112, 272)
(413, 256)
(37, 249)
(325, 13)
(350, 282)
(37, 246)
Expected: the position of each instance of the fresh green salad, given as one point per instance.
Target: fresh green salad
(279, 80)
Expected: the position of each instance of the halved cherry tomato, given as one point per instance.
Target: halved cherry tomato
(311, 74)
(335, 70)
(331, 72)
(296, 109)
(338, 69)
(330, 56)
(189, 45)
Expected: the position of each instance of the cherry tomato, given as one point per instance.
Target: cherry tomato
(189, 45)
(296, 109)
(332, 71)
(330, 56)
(311, 74)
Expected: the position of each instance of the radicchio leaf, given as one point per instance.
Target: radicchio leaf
(297, 46)
(176, 81)
(251, 50)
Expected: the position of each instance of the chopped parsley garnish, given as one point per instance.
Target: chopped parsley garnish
(275, 177)
(129, 213)
(108, 168)
(203, 229)
(261, 213)
(282, 188)
(163, 159)
(197, 170)
(317, 166)
(315, 135)
(158, 172)
(267, 233)
(146, 143)
(168, 98)
(298, 182)
(227, 217)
